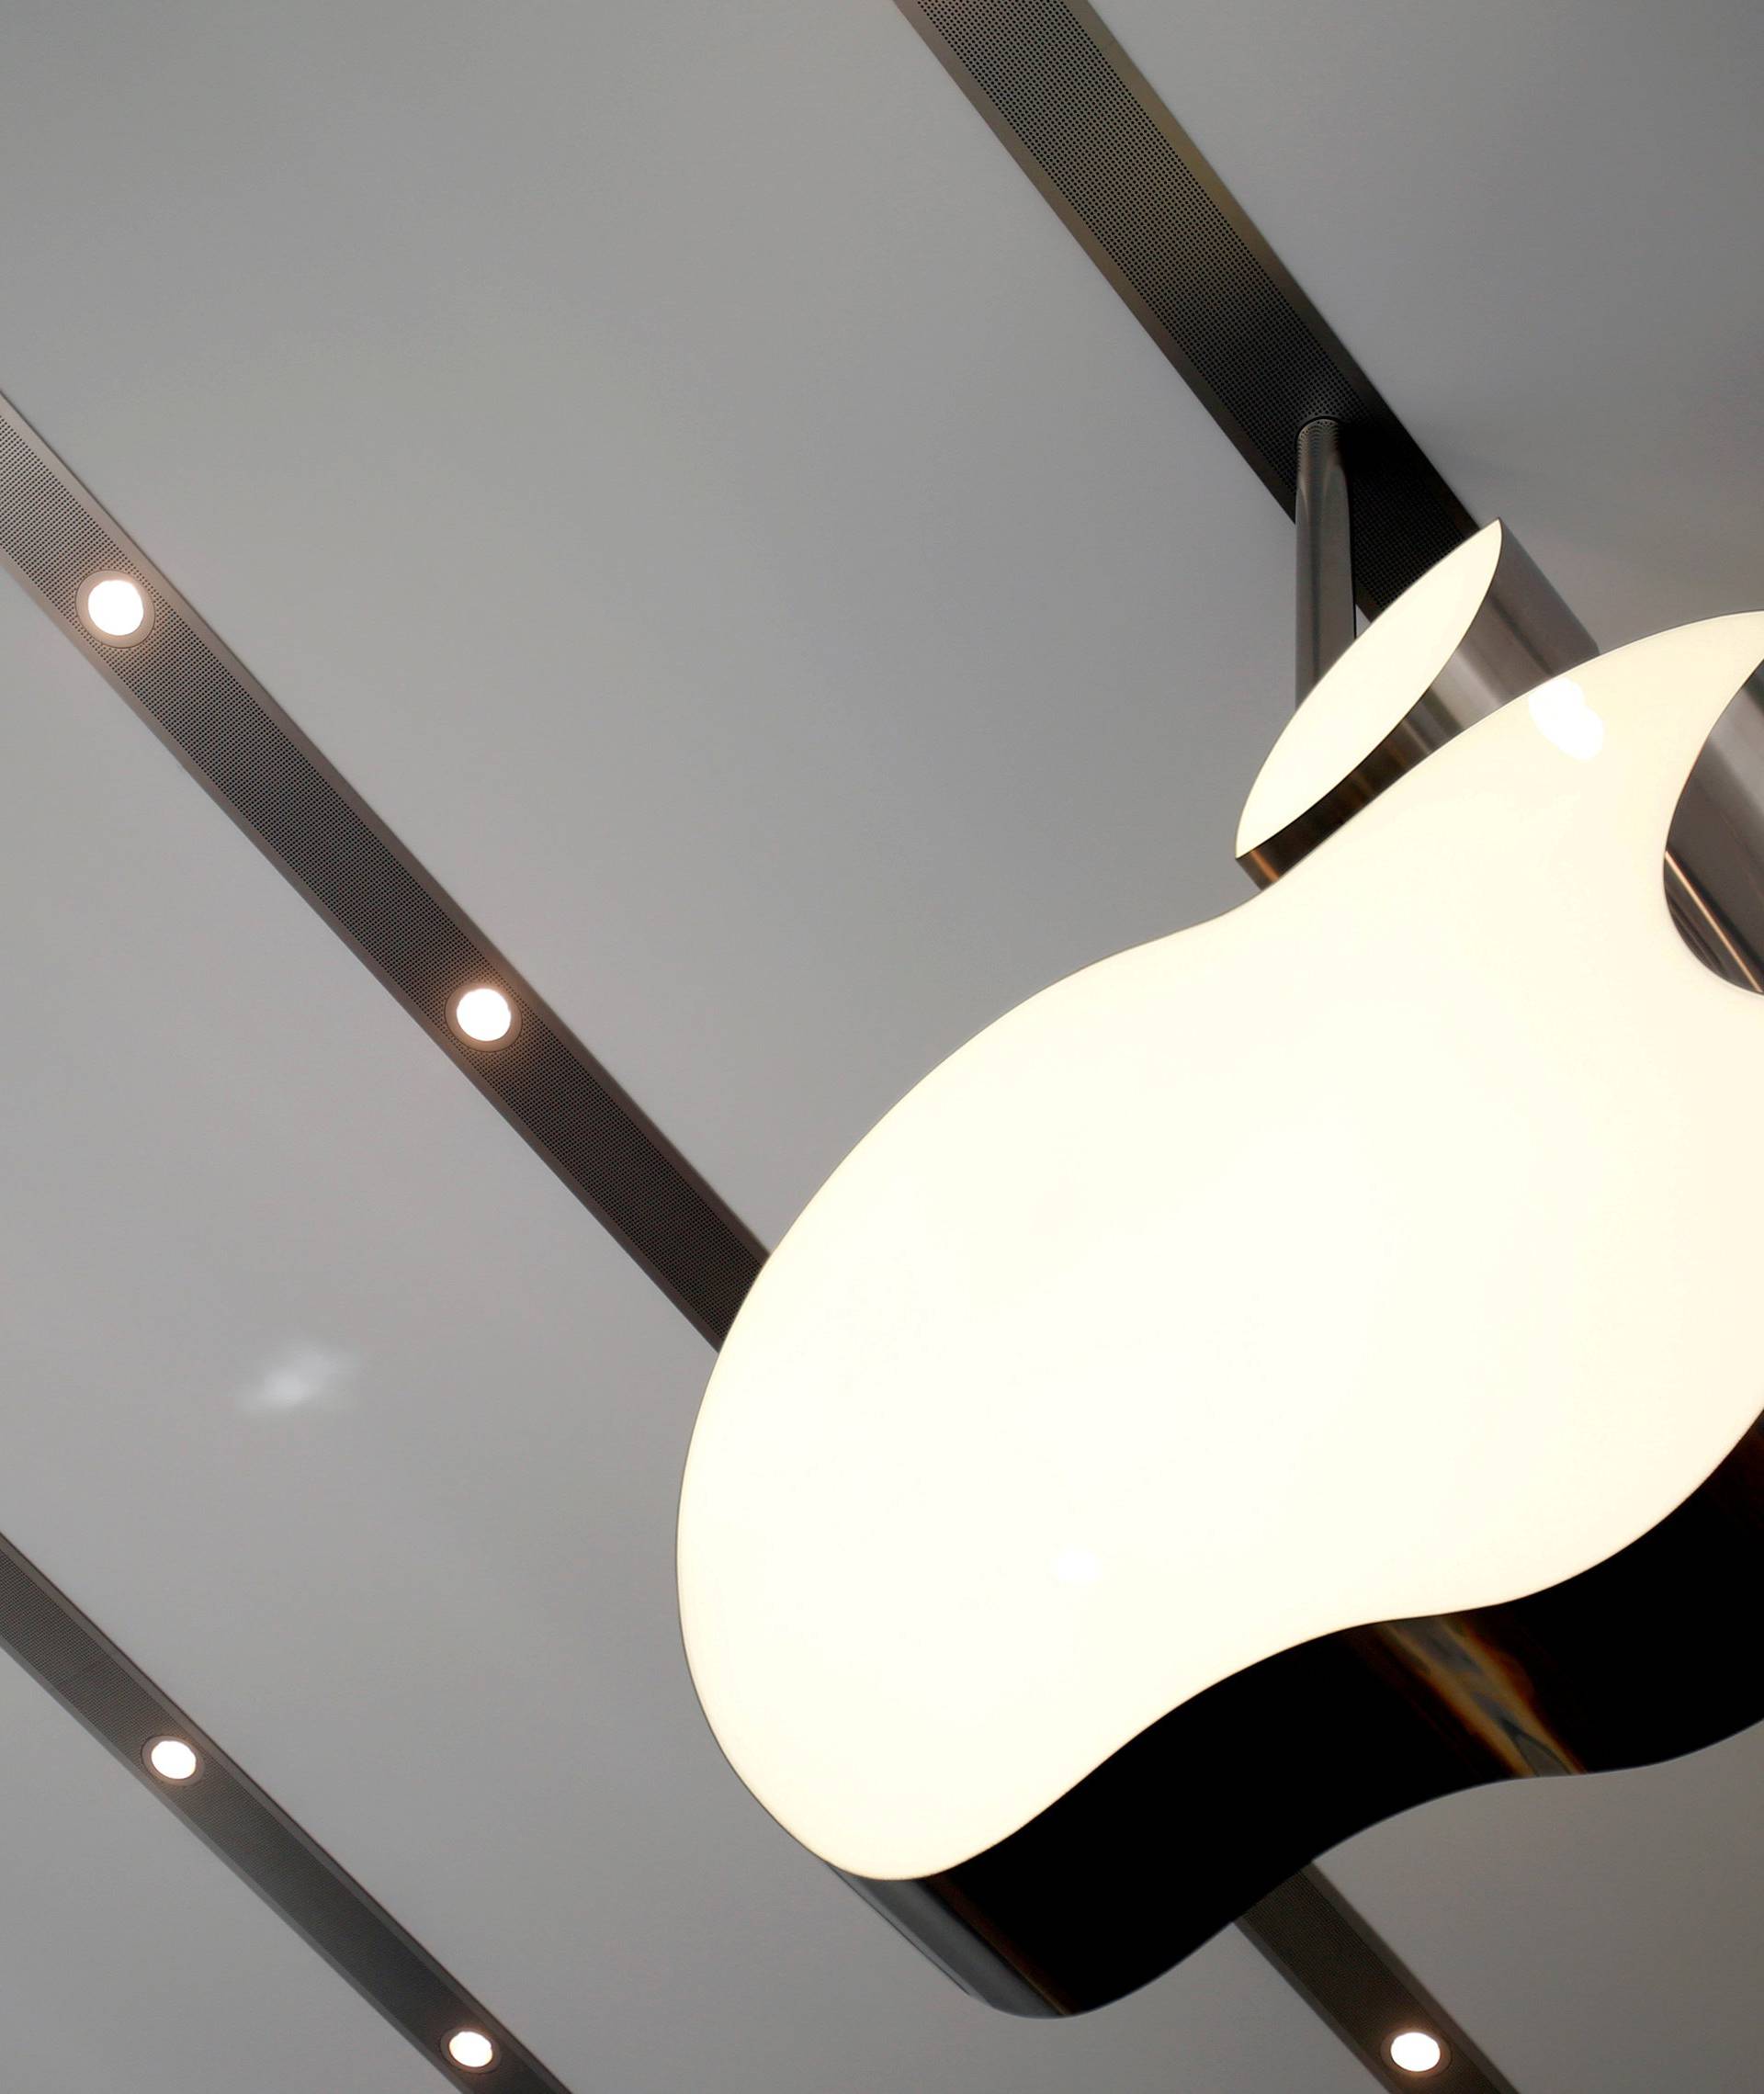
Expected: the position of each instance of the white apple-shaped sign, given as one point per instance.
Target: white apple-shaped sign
(1384, 1247)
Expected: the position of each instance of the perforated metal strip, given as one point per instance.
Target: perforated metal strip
(67, 1654)
(1085, 125)
(1347, 1975)
(233, 737)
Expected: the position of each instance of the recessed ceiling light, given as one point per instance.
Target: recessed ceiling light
(114, 608)
(172, 1760)
(482, 1016)
(1416, 2050)
(472, 2048)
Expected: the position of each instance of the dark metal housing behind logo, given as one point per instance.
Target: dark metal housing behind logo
(1647, 1656)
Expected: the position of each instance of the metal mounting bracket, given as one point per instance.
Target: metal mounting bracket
(1320, 511)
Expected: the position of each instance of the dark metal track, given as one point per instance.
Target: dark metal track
(239, 745)
(1330, 1957)
(68, 1654)
(1088, 129)
(1086, 126)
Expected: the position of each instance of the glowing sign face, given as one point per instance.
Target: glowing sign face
(1383, 1247)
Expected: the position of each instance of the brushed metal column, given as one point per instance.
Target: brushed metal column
(1322, 513)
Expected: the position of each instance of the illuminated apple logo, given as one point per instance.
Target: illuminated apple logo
(1384, 1248)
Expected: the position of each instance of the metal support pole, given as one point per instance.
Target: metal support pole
(1325, 554)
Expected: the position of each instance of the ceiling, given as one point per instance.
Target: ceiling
(681, 472)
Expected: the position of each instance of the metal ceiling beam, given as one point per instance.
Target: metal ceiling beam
(1087, 129)
(231, 737)
(67, 1654)
(1090, 132)
(244, 750)
(1329, 1955)
(225, 727)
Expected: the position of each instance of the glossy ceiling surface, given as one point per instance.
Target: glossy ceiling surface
(677, 467)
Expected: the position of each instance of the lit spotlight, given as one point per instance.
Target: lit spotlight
(1416, 2050)
(172, 1760)
(470, 2048)
(113, 607)
(484, 1016)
